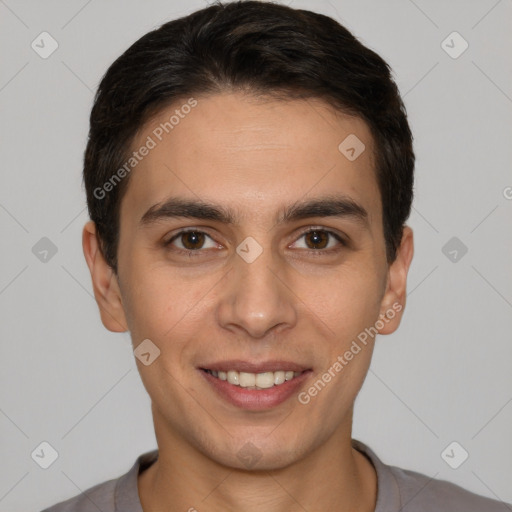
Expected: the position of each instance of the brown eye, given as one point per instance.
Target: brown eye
(192, 240)
(318, 239)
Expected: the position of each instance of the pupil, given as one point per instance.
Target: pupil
(317, 237)
(192, 238)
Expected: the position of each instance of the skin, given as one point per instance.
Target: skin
(256, 157)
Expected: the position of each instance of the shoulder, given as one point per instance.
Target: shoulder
(118, 494)
(100, 497)
(418, 492)
(410, 491)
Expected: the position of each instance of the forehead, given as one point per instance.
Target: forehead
(252, 155)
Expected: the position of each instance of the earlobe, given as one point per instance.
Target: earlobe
(104, 281)
(393, 302)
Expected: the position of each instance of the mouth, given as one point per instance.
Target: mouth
(246, 380)
(255, 386)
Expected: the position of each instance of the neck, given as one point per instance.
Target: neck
(334, 476)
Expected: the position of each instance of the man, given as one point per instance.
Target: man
(249, 173)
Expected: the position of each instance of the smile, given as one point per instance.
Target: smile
(255, 386)
(264, 380)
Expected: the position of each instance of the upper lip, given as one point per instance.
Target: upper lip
(254, 367)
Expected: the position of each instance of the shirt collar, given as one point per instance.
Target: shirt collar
(388, 494)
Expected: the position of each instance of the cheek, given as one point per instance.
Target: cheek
(347, 302)
(165, 305)
(152, 302)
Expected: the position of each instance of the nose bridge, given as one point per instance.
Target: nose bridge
(256, 299)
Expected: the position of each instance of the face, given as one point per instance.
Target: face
(251, 249)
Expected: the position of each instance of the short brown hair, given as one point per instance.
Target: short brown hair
(260, 47)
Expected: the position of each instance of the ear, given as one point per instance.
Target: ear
(393, 301)
(104, 281)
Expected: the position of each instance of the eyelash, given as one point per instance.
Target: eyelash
(314, 252)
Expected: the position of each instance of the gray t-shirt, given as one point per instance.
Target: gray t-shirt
(397, 490)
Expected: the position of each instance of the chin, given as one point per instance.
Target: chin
(258, 452)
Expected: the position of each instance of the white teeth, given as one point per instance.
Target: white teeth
(278, 378)
(265, 380)
(247, 380)
(234, 377)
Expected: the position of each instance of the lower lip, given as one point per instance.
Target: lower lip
(256, 399)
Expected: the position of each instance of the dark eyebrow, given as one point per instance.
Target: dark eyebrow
(330, 206)
(196, 209)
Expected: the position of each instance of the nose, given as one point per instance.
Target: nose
(256, 298)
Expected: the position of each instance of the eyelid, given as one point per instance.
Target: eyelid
(176, 235)
(337, 236)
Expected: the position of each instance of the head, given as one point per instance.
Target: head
(280, 145)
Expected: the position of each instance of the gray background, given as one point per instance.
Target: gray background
(444, 376)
